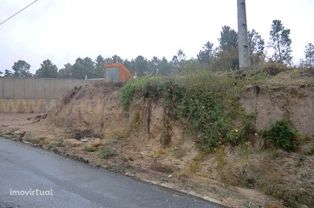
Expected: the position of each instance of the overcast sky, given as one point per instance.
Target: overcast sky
(63, 30)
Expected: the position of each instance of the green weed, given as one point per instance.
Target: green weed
(29, 138)
(283, 135)
(142, 84)
(89, 148)
(106, 152)
(55, 143)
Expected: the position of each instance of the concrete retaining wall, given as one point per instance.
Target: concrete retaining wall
(36, 88)
(33, 95)
(26, 105)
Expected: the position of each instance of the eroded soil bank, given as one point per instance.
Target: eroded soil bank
(90, 124)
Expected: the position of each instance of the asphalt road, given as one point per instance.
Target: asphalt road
(74, 184)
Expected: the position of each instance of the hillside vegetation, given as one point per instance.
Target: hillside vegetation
(208, 106)
(245, 139)
(208, 102)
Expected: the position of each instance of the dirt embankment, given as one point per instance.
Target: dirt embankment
(91, 124)
(90, 108)
(274, 103)
(140, 131)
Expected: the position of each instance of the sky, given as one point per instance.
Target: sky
(63, 30)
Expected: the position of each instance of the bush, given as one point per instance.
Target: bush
(106, 152)
(55, 143)
(143, 84)
(282, 134)
(29, 138)
(273, 69)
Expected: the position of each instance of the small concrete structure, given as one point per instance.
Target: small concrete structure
(117, 73)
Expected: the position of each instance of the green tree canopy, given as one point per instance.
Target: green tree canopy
(309, 55)
(257, 46)
(178, 60)
(140, 65)
(65, 72)
(47, 70)
(164, 66)
(21, 69)
(227, 55)
(228, 38)
(154, 63)
(280, 42)
(99, 64)
(82, 68)
(160, 66)
(8, 73)
(117, 59)
(206, 54)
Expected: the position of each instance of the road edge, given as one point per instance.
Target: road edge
(166, 185)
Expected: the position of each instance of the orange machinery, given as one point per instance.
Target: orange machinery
(117, 73)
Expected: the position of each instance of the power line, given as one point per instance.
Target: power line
(1, 23)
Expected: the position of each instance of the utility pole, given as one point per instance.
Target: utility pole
(243, 43)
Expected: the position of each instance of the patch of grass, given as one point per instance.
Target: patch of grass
(89, 148)
(158, 153)
(106, 152)
(142, 84)
(239, 135)
(163, 168)
(79, 134)
(195, 165)
(220, 159)
(301, 160)
(60, 143)
(119, 168)
(55, 143)
(121, 134)
(244, 150)
(11, 131)
(136, 121)
(283, 135)
(291, 196)
(177, 152)
(29, 138)
(165, 138)
(275, 68)
(192, 167)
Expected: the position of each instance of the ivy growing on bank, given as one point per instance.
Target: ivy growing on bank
(208, 102)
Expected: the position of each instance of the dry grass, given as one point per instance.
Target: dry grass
(163, 168)
(106, 152)
(276, 173)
